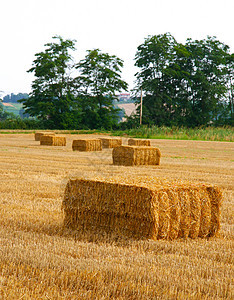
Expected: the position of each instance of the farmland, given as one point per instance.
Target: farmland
(39, 259)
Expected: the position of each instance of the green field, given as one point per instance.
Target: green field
(15, 109)
(224, 134)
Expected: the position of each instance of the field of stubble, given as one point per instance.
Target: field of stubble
(41, 260)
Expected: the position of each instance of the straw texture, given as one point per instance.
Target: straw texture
(39, 134)
(136, 155)
(138, 142)
(49, 140)
(142, 207)
(87, 145)
(111, 142)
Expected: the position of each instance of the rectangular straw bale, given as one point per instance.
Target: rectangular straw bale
(142, 207)
(39, 134)
(111, 142)
(49, 140)
(138, 142)
(136, 155)
(87, 145)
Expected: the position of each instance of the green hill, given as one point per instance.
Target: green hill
(12, 107)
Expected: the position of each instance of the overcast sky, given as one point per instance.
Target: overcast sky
(115, 27)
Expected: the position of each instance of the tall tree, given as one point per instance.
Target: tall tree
(230, 81)
(207, 65)
(183, 84)
(155, 58)
(52, 97)
(100, 79)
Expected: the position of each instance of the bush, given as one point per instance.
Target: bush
(19, 123)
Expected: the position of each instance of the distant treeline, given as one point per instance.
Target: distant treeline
(177, 85)
(12, 98)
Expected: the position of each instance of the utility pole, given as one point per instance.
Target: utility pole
(141, 109)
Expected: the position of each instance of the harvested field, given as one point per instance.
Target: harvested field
(40, 259)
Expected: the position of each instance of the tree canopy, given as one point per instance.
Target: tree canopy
(99, 81)
(188, 84)
(51, 98)
(64, 100)
(184, 84)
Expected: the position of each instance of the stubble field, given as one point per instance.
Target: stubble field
(39, 259)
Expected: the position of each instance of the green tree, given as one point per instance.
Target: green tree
(207, 66)
(183, 84)
(53, 97)
(230, 81)
(99, 80)
(156, 61)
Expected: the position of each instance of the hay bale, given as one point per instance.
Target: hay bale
(87, 145)
(205, 214)
(138, 142)
(39, 134)
(141, 207)
(136, 155)
(164, 215)
(50, 140)
(215, 196)
(185, 220)
(195, 213)
(175, 214)
(111, 142)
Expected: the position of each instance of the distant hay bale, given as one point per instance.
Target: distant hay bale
(111, 142)
(138, 142)
(87, 145)
(141, 207)
(39, 134)
(136, 155)
(49, 140)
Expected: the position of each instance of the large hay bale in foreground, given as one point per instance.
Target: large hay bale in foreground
(111, 142)
(136, 155)
(138, 142)
(49, 140)
(87, 145)
(142, 207)
(38, 135)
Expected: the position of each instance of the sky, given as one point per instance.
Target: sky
(115, 27)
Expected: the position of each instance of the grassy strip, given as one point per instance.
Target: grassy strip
(225, 134)
(16, 131)
(21, 131)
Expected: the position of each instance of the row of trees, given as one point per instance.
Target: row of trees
(67, 95)
(186, 85)
(14, 98)
(183, 85)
